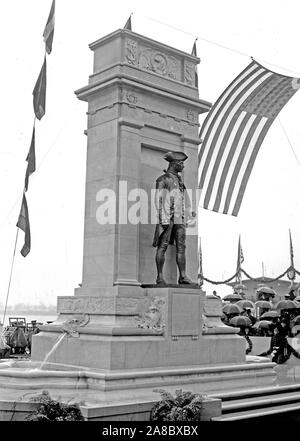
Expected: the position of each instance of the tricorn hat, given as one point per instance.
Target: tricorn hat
(175, 156)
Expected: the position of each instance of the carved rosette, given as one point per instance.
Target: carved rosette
(131, 52)
(153, 317)
(191, 115)
(131, 97)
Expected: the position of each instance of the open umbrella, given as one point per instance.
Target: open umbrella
(232, 309)
(295, 321)
(245, 304)
(270, 315)
(262, 324)
(263, 304)
(240, 320)
(233, 297)
(286, 304)
(266, 290)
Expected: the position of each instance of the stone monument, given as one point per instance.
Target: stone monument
(142, 104)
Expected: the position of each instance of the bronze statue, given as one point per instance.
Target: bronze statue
(174, 210)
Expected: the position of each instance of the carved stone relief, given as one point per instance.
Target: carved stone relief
(131, 97)
(153, 317)
(191, 115)
(86, 305)
(70, 326)
(160, 63)
(131, 52)
(189, 73)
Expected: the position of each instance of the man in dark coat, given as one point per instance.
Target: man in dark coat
(174, 210)
(279, 347)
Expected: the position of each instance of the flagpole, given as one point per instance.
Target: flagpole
(10, 277)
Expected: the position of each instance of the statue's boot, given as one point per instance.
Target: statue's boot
(161, 281)
(185, 281)
(160, 260)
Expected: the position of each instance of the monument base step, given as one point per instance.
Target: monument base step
(108, 395)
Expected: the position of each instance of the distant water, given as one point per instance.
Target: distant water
(41, 318)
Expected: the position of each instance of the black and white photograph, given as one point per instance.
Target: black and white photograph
(149, 215)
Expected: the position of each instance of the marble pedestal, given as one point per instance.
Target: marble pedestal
(162, 337)
(156, 327)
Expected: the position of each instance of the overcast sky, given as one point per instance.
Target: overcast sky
(268, 31)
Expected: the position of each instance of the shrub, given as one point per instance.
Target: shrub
(53, 410)
(184, 406)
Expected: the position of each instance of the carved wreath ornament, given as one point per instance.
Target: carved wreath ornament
(153, 317)
(71, 325)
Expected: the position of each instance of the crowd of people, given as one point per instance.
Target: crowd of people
(279, 326)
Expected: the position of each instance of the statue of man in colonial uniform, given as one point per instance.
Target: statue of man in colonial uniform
(174, 211)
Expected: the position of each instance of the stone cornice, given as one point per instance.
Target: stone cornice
(191, 140)
(126, 33)
(85, 92)
(123, 64)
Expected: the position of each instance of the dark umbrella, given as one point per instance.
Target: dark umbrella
(240, 320)
(270, 315)
(266, 290)
(245, 304)
(295, 321)
(232, 309)
(263, 304)
(286, 304)
(262, 324)
(233, 297)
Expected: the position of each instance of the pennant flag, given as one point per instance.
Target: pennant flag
(194, 53)
(39, 93)
(30, 159)
(291, 250)
(194, 50)
(200, 269)
(128, 24)
(49, 29)
(240, 258)
(23, 224)
(233, 132)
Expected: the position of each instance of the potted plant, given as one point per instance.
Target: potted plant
(184, 406)
(54, 410)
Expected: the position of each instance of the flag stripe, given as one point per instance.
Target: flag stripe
(240, 161)
(235, 134)
(246, 174)
(232, 158)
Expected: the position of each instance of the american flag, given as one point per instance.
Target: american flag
(233, 132)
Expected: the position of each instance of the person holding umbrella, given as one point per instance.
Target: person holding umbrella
(248, 313)
(279, 348)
